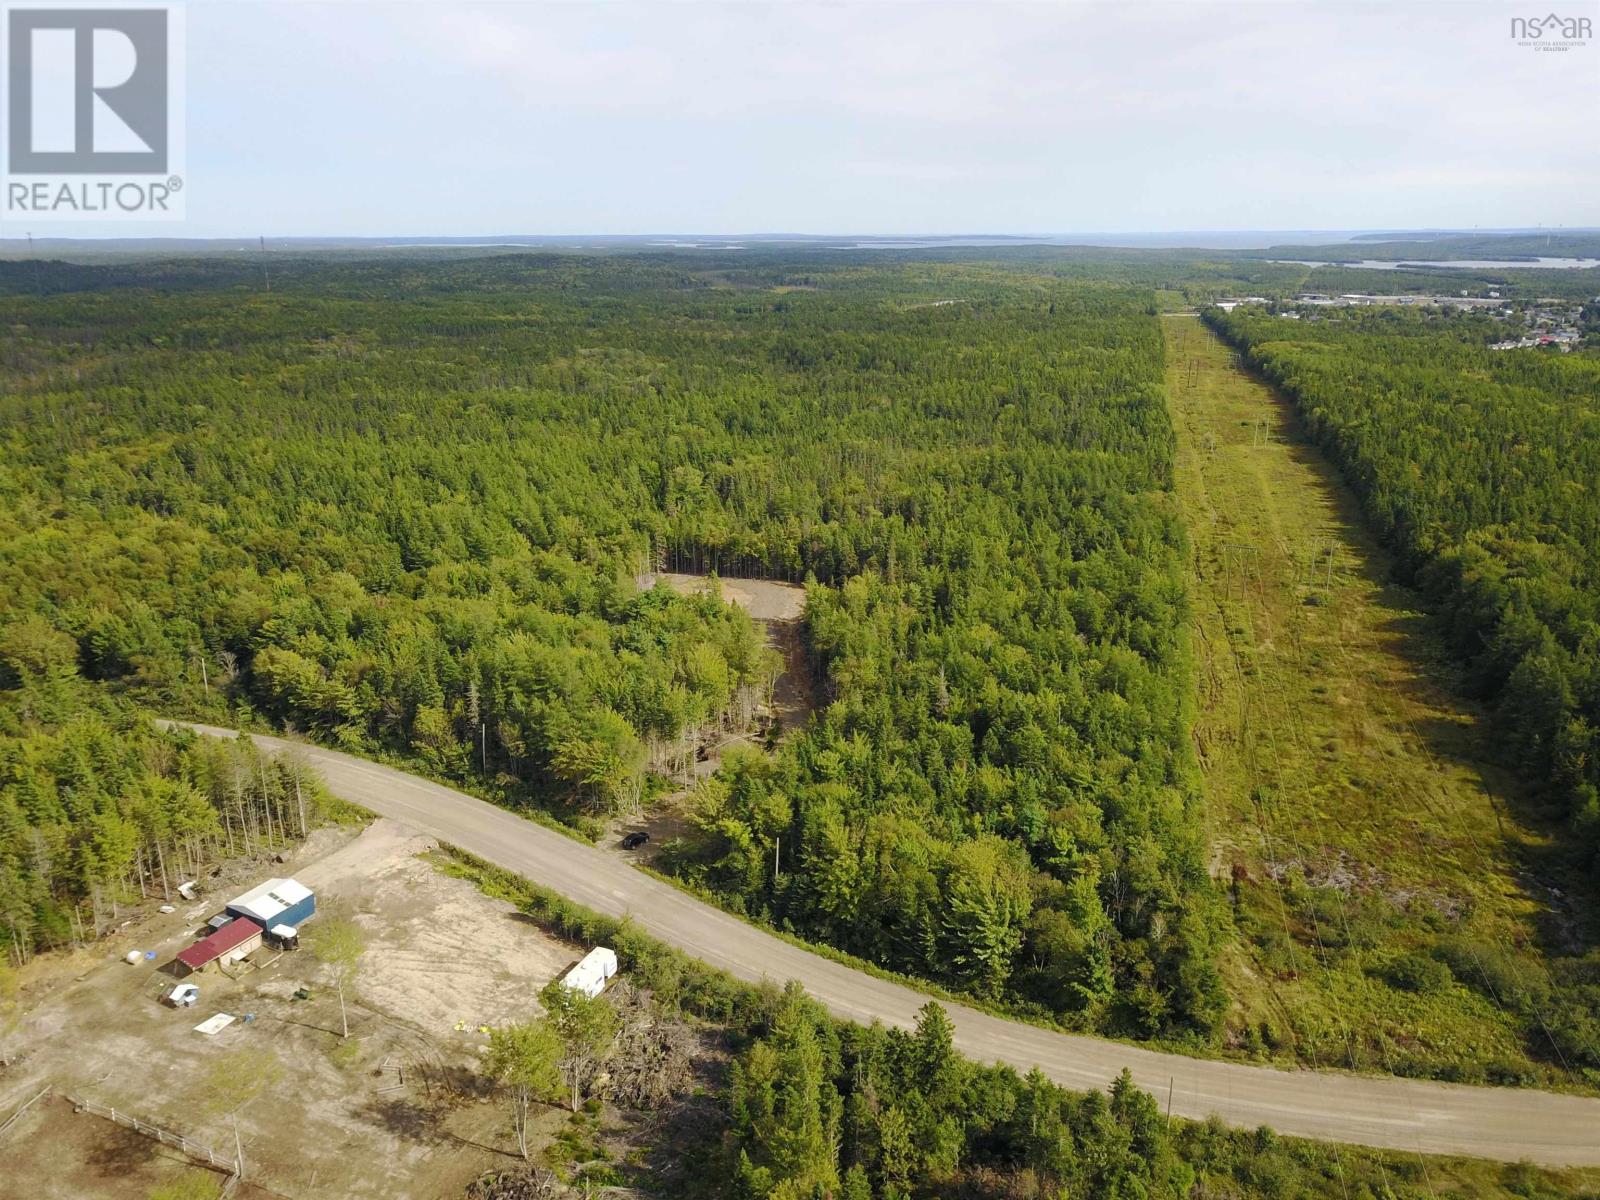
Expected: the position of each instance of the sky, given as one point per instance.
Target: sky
(885, 118)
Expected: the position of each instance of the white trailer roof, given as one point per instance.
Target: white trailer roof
(270, 898)
(591, 973)
(584, 979)
(602, 960)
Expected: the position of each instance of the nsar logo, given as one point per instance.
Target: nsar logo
(1551, 32)
(93, 127)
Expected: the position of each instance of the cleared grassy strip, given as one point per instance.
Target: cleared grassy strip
(1366, 836)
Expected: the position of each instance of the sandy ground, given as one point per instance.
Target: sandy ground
(763, 599)
(438, 951)
(395, 1112)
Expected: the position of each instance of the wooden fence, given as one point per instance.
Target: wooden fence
(16, 1116)
(201, 1154)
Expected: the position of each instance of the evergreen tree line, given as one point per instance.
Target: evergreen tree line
(824, 1111)
(103, 810)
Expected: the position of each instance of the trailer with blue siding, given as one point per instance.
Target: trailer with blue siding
(276, 902)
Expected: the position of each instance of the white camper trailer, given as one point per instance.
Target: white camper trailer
(591, 974)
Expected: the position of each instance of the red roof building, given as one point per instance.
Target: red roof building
(231, 938)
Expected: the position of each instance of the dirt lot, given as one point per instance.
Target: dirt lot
(763, 599)
(438, 951)
(396, 1111)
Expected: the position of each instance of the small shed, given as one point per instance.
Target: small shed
(235, 940)
(276, 902)
(183, 995)
(592, 972)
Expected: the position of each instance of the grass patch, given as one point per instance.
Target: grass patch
(1378, 871)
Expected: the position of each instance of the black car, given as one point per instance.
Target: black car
(635, 839)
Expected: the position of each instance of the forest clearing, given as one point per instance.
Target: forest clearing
(400, 1109)
(779, 608)
(1356, 815)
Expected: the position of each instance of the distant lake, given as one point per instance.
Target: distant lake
(1468, 264)
(935, 243)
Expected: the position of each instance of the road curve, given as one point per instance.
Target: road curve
(1398, 1114)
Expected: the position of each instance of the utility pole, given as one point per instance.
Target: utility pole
(1247, 558)
(483, 746)
(265, 273)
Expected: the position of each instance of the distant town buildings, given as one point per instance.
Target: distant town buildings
(1562, 339)
(1547, 322)
(1359, 299)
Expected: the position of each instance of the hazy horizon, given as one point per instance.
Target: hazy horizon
(1198, 239)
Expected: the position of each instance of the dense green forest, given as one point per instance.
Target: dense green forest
(413, 528)
(1480, 468)
(820, 1109)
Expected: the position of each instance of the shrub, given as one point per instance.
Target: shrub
(1500, 975)
(1416, 972)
